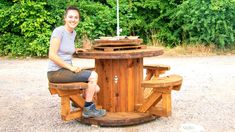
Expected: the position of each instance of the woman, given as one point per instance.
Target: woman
(60, 68)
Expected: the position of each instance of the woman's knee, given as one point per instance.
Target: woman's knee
(93, 77)
(93, 87)
(97, 89)
(93, 81)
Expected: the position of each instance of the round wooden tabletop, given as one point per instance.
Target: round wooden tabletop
(120, 54)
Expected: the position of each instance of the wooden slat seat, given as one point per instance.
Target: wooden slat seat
(69, 92)
(161, 94)
(157, 66)
(163, 82)
(68, 86)
(155, 70)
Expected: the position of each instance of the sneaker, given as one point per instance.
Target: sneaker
(91, 111)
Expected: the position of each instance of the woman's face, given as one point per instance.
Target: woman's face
(71, 20)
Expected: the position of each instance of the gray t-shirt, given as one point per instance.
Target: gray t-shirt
(66, 49)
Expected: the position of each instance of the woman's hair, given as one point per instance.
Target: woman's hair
(71, 8)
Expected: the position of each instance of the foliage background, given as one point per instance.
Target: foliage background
(26, 25)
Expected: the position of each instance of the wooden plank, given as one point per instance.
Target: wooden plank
(149, 75)
(139, 97)
(62, 93)
(158, 111)
(166, 104)
(68, 86)
(112, 48)
(130, 85)
(105, 49)
(157, 67)
(168, 81)
(123, 88)
(118, 42)
(73, 115)
(65, 107)
(148, 91)
(153, 98)
(78, 100)
(163, 108)
(166, 90)
(115, 85)
(109, 84)
(141, 92)
(99, 68)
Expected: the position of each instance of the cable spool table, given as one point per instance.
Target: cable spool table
(120, 76)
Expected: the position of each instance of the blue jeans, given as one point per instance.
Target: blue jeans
(65, 75)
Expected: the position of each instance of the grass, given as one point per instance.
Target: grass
(195, 50)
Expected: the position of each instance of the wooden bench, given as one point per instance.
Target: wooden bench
(159, 101)
(155, 70)
(69, 92)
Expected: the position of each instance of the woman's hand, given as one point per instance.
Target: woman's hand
(75, 69)
(80, 50)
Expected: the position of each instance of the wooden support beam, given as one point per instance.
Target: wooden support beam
(62, 93)
(157, 111)
(78, 100)
(166, 104)
(73, 115)
(65, 107)
(163, 108)
(153, 99)
(149, 75)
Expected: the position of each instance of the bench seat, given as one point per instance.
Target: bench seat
(159, 101)
(69, 92)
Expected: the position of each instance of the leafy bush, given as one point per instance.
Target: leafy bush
(96, 19)
(26, 22)
(26, 25)
(202, 21)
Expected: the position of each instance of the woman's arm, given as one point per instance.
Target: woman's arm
(54, 47)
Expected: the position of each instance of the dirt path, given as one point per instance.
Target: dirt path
(207, 97)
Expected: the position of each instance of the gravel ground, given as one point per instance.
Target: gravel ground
(206, 99)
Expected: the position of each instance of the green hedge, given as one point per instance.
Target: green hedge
(207, 22)
(26, 25)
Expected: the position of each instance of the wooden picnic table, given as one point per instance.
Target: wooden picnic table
(120, 76)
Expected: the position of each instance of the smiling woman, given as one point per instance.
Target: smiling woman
(61, 69)
(71, 18)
